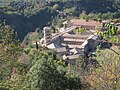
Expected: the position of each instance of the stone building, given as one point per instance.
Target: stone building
(70, 45)
(90, 24)
(47, 35)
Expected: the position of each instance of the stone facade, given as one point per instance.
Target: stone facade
(47, 35)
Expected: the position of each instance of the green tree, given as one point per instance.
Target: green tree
(83, 15)
(92, 15)
(70, 11)
(50, 73)
(107, 76)
(56, 7)
(9, 52)
(110, 34)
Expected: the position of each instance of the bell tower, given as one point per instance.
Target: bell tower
(47, 35)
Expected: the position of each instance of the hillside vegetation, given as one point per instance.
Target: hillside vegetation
(28, 68)
(27, 15)
(38, 68)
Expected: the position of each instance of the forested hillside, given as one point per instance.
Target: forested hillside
(28, 68)
(33, 67)
(27, 15)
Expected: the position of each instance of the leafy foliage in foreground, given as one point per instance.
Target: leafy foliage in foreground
(10, 68)
(107, 76)
(32, 69)
(110, 33)
(48, 72)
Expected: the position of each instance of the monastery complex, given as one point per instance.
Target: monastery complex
(70, 44)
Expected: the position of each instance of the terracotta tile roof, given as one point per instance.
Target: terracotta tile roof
(73, 57)
(59, 50)
(74, 46)
(74, 40)
(76, 50)
(80, 22)
(77, 35)
(118, 24)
